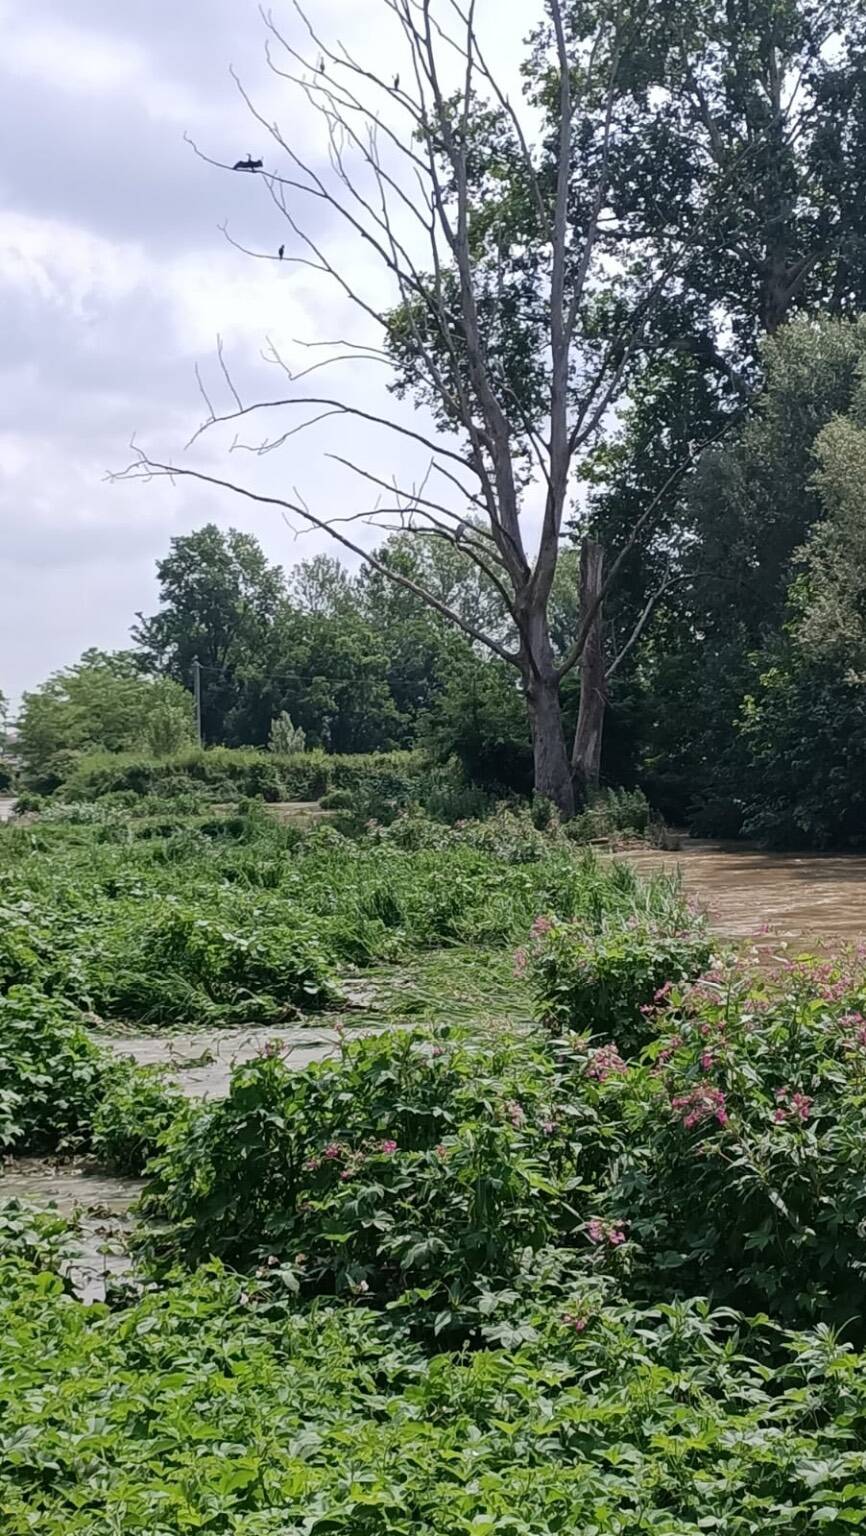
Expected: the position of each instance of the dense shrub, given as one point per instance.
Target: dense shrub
(238, 918)
(219, 1404)
(411, 1161)
(745, 1170)
(727, 1159)
(240, 772)
(612, 813)
(41, 1238)
(605, 980)
(61, 1092)
(192, 963)
(285, 737)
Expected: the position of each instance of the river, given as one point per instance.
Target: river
(801, 900)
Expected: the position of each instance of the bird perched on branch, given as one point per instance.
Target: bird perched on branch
(396, 82)
(321, 65)
(248, 165)
(281, 252)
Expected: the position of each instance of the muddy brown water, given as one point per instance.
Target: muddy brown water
(804, 901)
(778, 901)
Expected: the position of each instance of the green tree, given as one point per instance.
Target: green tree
(479, 719)
(323, 586)
(519, 325)
(170, 727)
(105, 703)
(285, 737)
(219, 597)
(742, 128)
(772, 575)
(803, 724)
(330, 674)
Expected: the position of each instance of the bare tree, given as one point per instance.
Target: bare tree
(506, 316)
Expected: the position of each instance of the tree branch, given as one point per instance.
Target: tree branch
(145, 468)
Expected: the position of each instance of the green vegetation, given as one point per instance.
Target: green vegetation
(224, 919)
(60, 1092)
(748, 718)
(447, 1278)
(105, 701)
(723, 1158)
(230, 774)
(219, 1404)
(569, 1234)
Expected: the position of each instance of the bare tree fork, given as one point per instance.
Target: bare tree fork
(396, 167)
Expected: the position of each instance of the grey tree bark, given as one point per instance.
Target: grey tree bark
(586, 755)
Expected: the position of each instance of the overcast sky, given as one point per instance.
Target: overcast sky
(115, 280)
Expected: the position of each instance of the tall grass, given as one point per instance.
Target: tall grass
(243, 920)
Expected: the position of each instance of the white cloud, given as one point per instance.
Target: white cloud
(114, 281)
(80, 62)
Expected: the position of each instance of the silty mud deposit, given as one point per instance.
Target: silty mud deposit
(98, 1203)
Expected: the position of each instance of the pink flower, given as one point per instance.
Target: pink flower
(441, 1150)
(794, 1105)
(548, 1127)
(274, 1048)
(667, 1052)
(599, 1231)
(312, 1164)
(662, 992)
(707, 1061)
(520, 962)
(702, 1103)
(515, 1113)
(605, 1062)
(540, 927)
(801, 1105)
(346, 1175)
(575, 1320)
(333, 1150)
(388, 1146)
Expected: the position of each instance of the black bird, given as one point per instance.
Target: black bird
(321, 66)
(248, 165)
(281, 252)
(396, 82)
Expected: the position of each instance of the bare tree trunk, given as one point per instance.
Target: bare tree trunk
(586, 756)
(552, 771)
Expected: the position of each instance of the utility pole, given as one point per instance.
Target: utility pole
(196, 691)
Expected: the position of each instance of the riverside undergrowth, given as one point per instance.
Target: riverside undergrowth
(242, 920)
(602, 1272)
(63, 1093)
(220, 1404)
(724, 1158)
